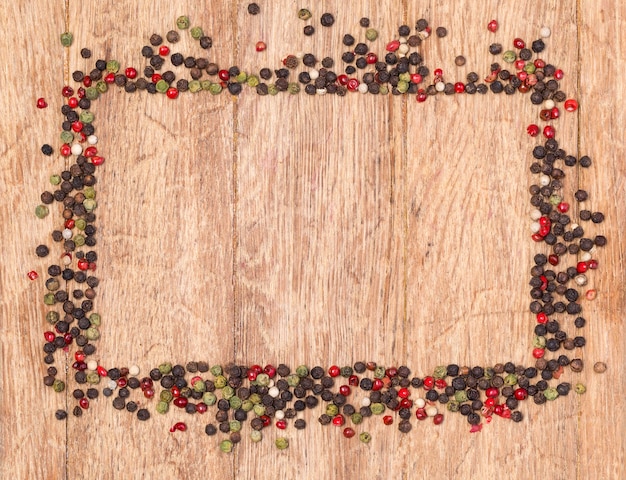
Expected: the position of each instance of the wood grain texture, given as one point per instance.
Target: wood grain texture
(311, 230)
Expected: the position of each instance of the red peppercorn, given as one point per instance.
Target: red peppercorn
(77, 126)
(266, 420)
(459, 87)
(519, 65)
(87, 81)
(539, 63)
(282, 424)
(438, 72)
(181, 402)
(377, 384)
(49, 336)
(148, 392)
(270, 371)
(131, 73)
(334, 371)
(438, 419)
(180, 426)
(201, 407)
(83, 264)
(532, 130)
(67, 91)
(563, 207)
(80, 366)
(553, 259)
(102, 371)
(353, 381)
(252, 375)
(164, 50)
(420, 414)
(90, 151)
(542, 318)
(84, 403)
(404, 392)
(97, 160)
(406, 403)
(172, 93)
(592, 264)
(260, 46)
(519, 43)
(490, 402)
(429, 383)
(571, 105)
(155, 78)
(581, 267)
(393, 45)
(353, 84)
(416, 78)
(421, 96)
(33, 275)
(79, 356)
(65, 150)
(387, 419)
(122, 382)
(520, 393)
(538, 352)
(371, 58)
(492, 392)
(440, 383)
(339, 420)
(109, 77)
(343, 79)
(559, 74)
(345, 390)
(555, 113)
(492, 26)
(223, 75)
(349, 432)
(72, 102)
(41, 103)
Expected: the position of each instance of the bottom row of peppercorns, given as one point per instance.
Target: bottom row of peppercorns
(278, 395)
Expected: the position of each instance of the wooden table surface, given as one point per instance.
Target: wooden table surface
(312, 230)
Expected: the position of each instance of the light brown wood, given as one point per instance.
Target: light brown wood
(311, 230)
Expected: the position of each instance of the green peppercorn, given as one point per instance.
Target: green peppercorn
(79, 240)
(252, 81)
(371, 34)
(199, 386)
(162, 86)
(41, 211)
(95, 319)
(453, 406)
(235, 402)
(92, 93)
(263, 379)
(247, 405)
(209, 398)
(48, 299)
(226, 446)
(402, 86)
(166, 396)
(206, 85)
(259, 409)
(302, 371)
(216, 370)
(304, 14)
(113, 66)
(165, 368)
(55, 179)
(281, 443)
(377, 408)
(58, 385)
(162, 407)
(460, 396)
(196, 33)
(66, 39)
(550, 393)
(220, 381)
(272, 89)
(86, 116)
(182, 22)
(332, 409)
(67, 137)
(93, 378)
(228, 392)
(379, 372)
(365, 437)
(255, 398)
(102, 87)
(256, 436)
(509, 56)
(52, 317)
(293, 380)
(580, 388)
(215, 89)
(92, 333)
(356, 418)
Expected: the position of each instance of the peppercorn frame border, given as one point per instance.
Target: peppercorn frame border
(80, 142)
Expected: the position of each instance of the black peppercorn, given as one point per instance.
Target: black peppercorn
(327, 20)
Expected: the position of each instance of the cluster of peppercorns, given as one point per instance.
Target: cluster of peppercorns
(276, 395)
